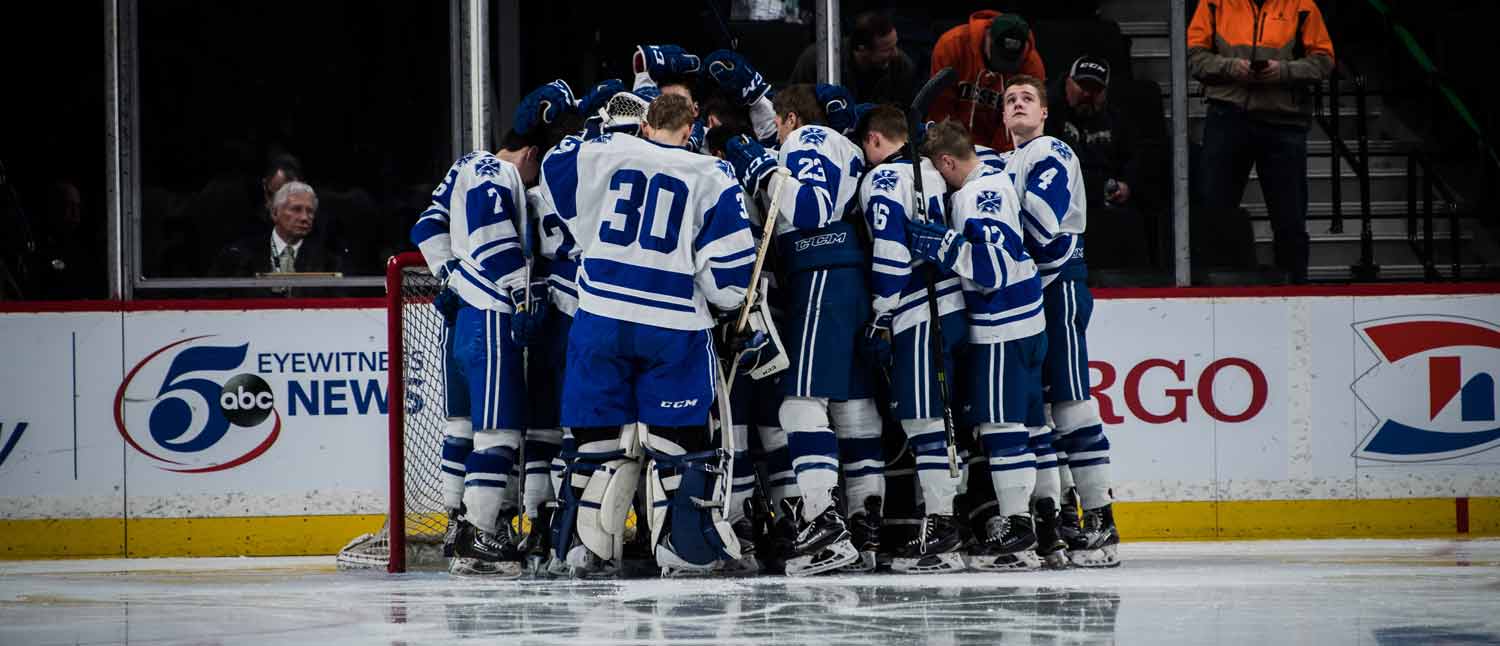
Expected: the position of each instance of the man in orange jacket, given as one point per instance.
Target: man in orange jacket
(1258, 61)
(991, 48)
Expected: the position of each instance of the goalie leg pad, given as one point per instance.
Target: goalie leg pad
(688, 527)
(597, 448)
(604, 504)
(771, 357)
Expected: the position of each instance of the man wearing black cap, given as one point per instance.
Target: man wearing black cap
(984, 52)
(1122, 160)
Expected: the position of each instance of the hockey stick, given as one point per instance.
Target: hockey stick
(767, 231)
(934, 86)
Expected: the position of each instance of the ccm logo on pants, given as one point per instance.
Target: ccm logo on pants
(686, 403)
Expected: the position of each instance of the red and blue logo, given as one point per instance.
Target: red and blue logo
(185, 407)
(1432, 390)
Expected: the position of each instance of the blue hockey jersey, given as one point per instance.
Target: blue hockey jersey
(661, 232)
(899, 283)
(1002, 288)
(474, 218)
(1054, 208)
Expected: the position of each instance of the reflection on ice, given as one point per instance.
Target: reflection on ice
(1318, 592)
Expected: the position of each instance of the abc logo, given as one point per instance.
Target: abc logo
(246, 400)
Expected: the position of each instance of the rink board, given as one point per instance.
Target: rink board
(1317, 412)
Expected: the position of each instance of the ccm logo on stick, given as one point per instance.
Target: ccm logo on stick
(1178, 412)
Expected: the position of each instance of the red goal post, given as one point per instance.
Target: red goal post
(415, 385)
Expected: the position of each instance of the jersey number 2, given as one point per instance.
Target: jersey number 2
(625, 225)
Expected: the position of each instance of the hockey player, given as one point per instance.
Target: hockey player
(902, 328)
(823, 269)
(664, 242)
(1004, 378)
(1053, 209)
(469, 237)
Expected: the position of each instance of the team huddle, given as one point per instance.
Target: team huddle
(635, 282)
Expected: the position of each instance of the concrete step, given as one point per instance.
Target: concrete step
(1384, 227)
(1324, 210)
(1386, 184)
(1389, 157)
(1145, 28)
(1343, 253)
(1399, 272)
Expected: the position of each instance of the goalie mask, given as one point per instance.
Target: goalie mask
(624, 112)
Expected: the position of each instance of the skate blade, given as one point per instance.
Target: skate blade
(1107, 556)
(743, 566)
(832, 557)
(1056, 561)
(1020, 561)
(865, 563)
(930, 564)
(475, 568)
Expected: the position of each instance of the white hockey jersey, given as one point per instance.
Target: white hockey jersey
(474, 218)
(661, 232)
(827, 167)
(1054, 208)
(899, 283)
(557, 250)
(1002, 288)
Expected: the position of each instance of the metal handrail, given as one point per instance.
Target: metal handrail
(1357, 159)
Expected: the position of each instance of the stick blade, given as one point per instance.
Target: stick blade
(931, 89)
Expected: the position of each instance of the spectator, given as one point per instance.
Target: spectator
(1258, 61)
(875, 70)
(294, 209)
(990, 48)
(69, 264)
(1122, 158)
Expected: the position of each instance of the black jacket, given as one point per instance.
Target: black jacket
(251, 255)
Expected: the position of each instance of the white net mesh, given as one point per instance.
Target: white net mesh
(422, 419)
(624, 109)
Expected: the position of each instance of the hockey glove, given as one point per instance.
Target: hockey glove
(447, 303)
(594, 101)
(752, 164)
(648, 92)
(733, 73)
(696, 136)
(530, 314)
(662, 62)
(543, 107)
(876, 341)
(939, 244)
(836, 103)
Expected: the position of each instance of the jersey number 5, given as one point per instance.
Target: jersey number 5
(625, 225)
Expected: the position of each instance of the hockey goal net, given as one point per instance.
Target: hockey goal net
(416, 518)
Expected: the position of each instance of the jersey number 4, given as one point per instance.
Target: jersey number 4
(636, 191)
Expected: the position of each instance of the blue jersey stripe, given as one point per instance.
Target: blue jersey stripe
(638, 277)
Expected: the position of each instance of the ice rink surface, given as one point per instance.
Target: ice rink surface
(1262, 593)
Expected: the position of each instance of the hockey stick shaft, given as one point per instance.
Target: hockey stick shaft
(768, 229)
(924, 98)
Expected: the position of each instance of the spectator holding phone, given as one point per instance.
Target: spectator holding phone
(1258, 61)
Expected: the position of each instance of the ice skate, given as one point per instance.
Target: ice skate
(747, 564)
(864, 533)
(935, 549)
(583, 564)
(537, 545)
(1069, 528)
(1050, 546)
(1101, 541)
(822, 544)
(1009, 544)
(481, 554)
(450, 535)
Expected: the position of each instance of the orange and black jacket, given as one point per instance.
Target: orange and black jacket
(1289, 31)
(975, 100)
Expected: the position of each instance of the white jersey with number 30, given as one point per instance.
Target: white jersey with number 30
(661, 232)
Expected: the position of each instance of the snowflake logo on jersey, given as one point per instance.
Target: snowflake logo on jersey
(884, 180)
(1062, 150)
(725, 168)
(989, 202)
(813, 136)
(487, 167)
(462, 161)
